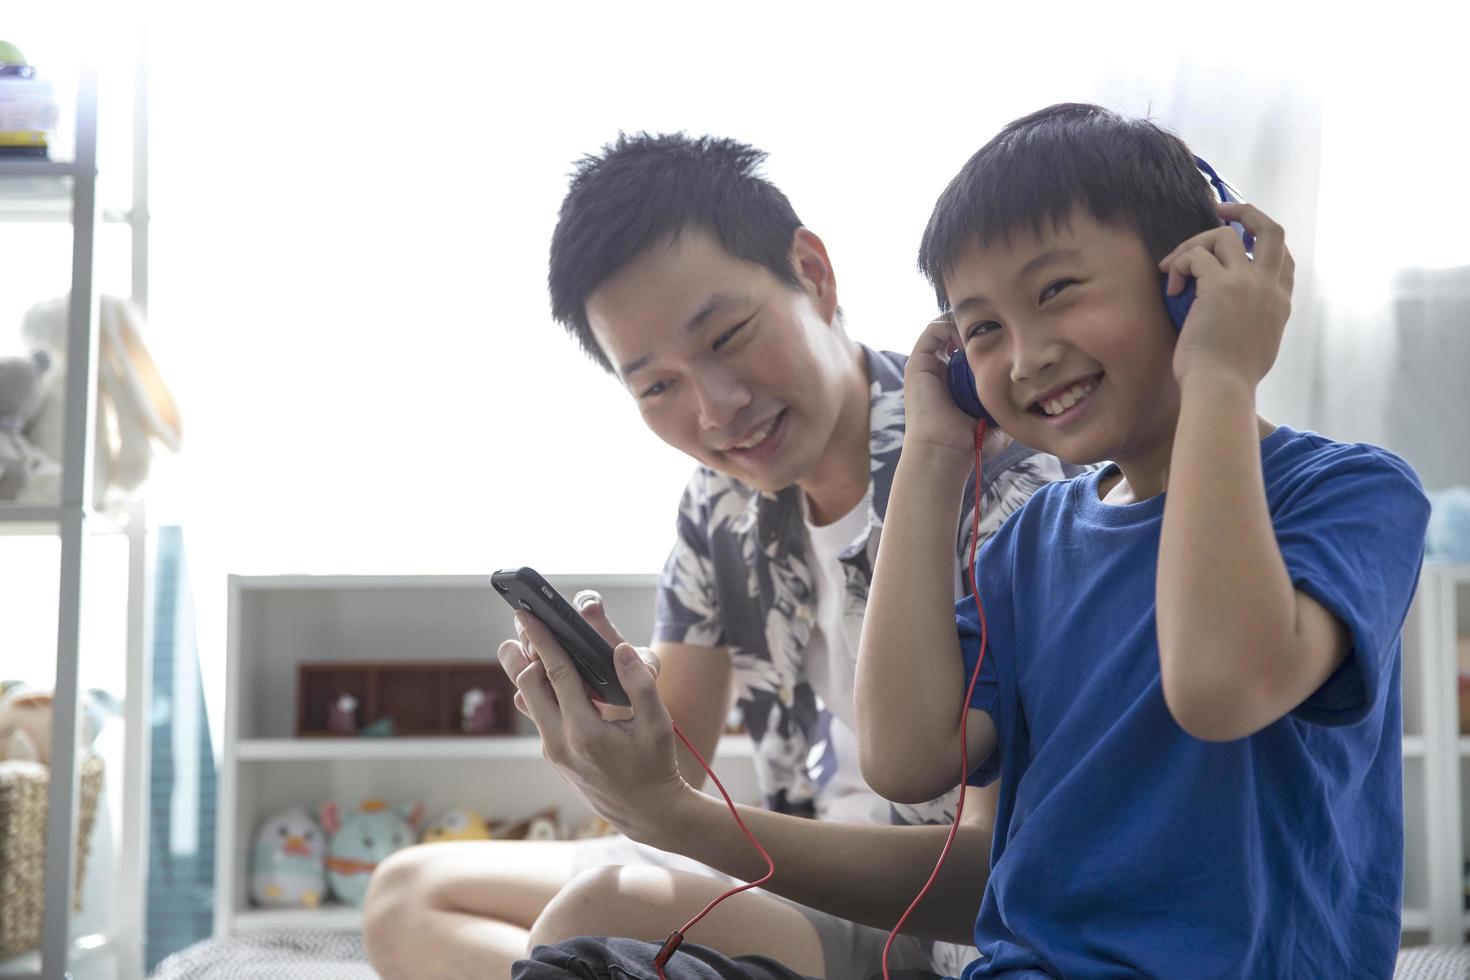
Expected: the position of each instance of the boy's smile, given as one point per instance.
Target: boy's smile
(1070, 343)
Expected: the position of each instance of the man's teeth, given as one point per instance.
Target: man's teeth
(760, 436)
(1068, 398)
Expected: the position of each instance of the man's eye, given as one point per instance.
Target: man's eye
(657, 388)
(725, 337)
(1055, 288)
(980, 329)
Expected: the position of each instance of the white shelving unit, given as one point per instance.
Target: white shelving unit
(40, 192)
(1436, 756)
(278, 622)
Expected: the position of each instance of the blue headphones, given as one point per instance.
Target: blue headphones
(962, 379)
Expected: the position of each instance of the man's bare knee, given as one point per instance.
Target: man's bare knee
(581, 908)
(397, 890)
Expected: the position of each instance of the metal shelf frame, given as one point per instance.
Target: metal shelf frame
(73, 520)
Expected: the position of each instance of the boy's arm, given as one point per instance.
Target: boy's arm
(1239, 645)
(910, 674)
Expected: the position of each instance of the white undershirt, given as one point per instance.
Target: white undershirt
(831, 666)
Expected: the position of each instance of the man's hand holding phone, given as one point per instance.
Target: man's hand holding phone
(621, 760)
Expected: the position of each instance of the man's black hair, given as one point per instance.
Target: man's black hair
(644, 189)
(1125, 172)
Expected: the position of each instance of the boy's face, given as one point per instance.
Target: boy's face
(726, 362)
(1069, 340)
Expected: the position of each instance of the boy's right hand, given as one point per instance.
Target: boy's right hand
(933, 423)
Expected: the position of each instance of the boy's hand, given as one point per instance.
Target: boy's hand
(1241, 305)
(931, 418)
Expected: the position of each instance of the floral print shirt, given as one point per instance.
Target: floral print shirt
(738, 578)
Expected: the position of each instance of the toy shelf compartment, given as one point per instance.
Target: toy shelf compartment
(420, 698)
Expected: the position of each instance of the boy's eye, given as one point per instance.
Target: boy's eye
(1055, 288)
(725, 337)
(979, 329)
(657, 388)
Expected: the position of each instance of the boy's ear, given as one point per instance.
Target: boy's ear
(814, 271)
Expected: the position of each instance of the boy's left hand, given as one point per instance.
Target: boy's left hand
(1241, 304)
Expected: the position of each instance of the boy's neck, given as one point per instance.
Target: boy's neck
(839, 480)
(1147, 475)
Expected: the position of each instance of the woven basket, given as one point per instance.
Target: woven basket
(23, 848)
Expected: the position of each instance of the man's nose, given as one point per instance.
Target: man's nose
(721, 395)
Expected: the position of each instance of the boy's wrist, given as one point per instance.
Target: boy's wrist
(1218, 379)
(937, 463)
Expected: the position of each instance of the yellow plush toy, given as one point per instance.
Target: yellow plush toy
(457, 823)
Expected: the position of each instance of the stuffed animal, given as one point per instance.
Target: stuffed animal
(25, 720)
(457, 823)
(1448, 537)
(342, 716)
(288, 862)
(361, 841)
(134, 407)
(26, 473)
(545, 825)
(479, 710)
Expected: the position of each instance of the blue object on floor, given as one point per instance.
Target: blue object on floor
(182, 779)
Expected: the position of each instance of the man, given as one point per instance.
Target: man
(689, 277)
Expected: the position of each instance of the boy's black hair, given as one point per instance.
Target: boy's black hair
(1126, 172)
(644, 189)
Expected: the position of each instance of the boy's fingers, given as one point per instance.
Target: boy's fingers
(1194, 263)
(1270, 237)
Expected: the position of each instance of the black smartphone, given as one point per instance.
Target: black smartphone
(525, 589)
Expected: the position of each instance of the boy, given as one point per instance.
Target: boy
(1190, 697)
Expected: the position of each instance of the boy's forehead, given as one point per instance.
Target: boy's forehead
(981, 268)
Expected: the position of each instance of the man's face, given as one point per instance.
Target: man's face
(727, 363)
(1069, 340)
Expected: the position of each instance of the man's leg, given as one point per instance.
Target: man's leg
(649, 903)
(460, 909)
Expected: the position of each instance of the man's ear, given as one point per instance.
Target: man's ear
(814, 271)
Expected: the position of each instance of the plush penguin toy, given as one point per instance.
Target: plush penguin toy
(288, 862)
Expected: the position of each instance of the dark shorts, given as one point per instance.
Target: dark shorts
(593, 958)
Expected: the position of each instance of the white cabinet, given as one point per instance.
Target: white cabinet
(279, 622)
(1436, 756)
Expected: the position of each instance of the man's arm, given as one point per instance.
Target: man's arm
(694, 684)
(1239, 645)
(863, 872)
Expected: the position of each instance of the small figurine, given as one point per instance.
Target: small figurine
(545, 825)
(457, 823)
(342, 716)
(288, 862)
(478, 711)
(361, 841)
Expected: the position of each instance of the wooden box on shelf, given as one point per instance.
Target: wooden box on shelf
(336, 698)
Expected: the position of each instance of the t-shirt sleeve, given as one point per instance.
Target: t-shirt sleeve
(1352, 537)
(686, 609)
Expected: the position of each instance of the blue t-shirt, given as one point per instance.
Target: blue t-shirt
(1125, 847)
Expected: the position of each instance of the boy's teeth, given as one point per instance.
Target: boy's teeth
(1068, 398)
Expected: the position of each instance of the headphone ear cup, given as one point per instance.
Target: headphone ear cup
(962, 388)
(1178, 306)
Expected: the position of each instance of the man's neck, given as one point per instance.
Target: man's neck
(839, 481)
